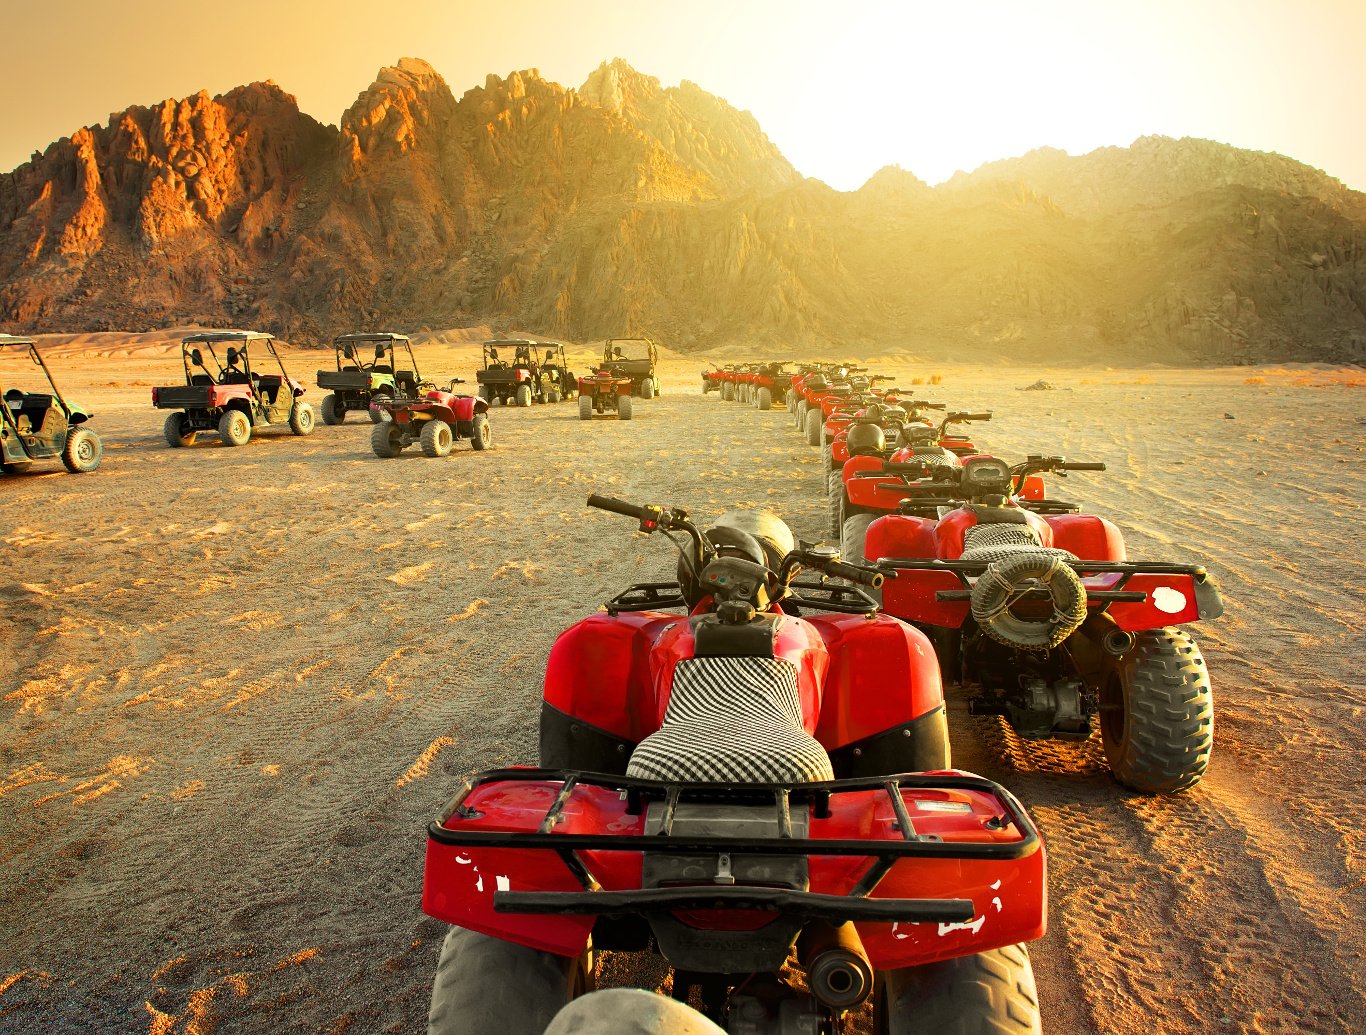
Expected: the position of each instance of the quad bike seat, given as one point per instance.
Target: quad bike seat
(732, 720)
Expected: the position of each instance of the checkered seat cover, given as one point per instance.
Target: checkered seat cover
(997, 541)
(732, 720)
(937, 456)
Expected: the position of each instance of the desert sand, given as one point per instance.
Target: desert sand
(236, 683)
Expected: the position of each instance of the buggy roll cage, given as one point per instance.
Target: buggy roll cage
(344, 345)
(35, 357)
(245, 338)
(490, 349)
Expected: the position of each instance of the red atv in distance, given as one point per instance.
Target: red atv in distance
(1038, 605)
(768, 386)
(436, 419)
(231, 398)
(878, 430)
(604, 390)
(871, 484)
(724, 780)
(897, 415)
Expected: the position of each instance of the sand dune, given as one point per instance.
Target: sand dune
(237, 682)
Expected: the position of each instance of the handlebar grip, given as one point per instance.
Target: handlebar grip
(616, 506)
(976, 416)
(1069, 466)
(904, 467)
(855, 573)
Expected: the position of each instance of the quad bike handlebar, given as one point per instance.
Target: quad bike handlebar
(656, 518)
(961, 417)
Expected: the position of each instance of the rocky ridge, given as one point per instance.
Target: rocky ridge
(625, 206)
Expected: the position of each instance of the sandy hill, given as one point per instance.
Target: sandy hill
(624, 206)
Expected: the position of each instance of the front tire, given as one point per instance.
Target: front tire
(485, 984)
(813, 426)
(301, 418)
(481, 434)
(834, 491)
(765, 399)
(436, 439)
(1157, 713)
(623, 407)
(386, 440)
(852, 534)
(333, 411)
(83, 451)
(585, 407)
(234, 428)
(988, 992)
(524, 396)
(174, 431)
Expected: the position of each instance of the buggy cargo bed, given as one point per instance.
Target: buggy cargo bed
(182, 397)
(355, 379)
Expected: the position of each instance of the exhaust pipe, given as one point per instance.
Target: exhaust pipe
(837, 968)
(1118, 642)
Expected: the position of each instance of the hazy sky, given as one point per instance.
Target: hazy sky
(842, 87)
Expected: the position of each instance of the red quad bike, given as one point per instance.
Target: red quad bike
(870, 485)
(1038, 605)
(231, 397)
(878, 430)
(907, 414)
(729, 379)
(714, 379)
(602, 391)
(770, 386)
(817, 392)
(435, 420)
(735, 765)
(895, 407)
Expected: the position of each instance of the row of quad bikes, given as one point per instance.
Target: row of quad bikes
(746, 770)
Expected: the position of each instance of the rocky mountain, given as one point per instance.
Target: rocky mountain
(624, 206)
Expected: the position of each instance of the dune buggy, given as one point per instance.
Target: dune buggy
(517, 381)
(634, 358)
(357, 381)
(555, 381)
(42, 425)
(230, 397)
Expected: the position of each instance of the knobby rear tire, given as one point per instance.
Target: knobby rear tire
(990, 992)
(1157, 713)
(436, 439)
(485, 984)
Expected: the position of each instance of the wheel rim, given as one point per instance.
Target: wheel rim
(85, 450)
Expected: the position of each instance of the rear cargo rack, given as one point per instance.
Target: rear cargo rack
(1207, 594)
(781, 798)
